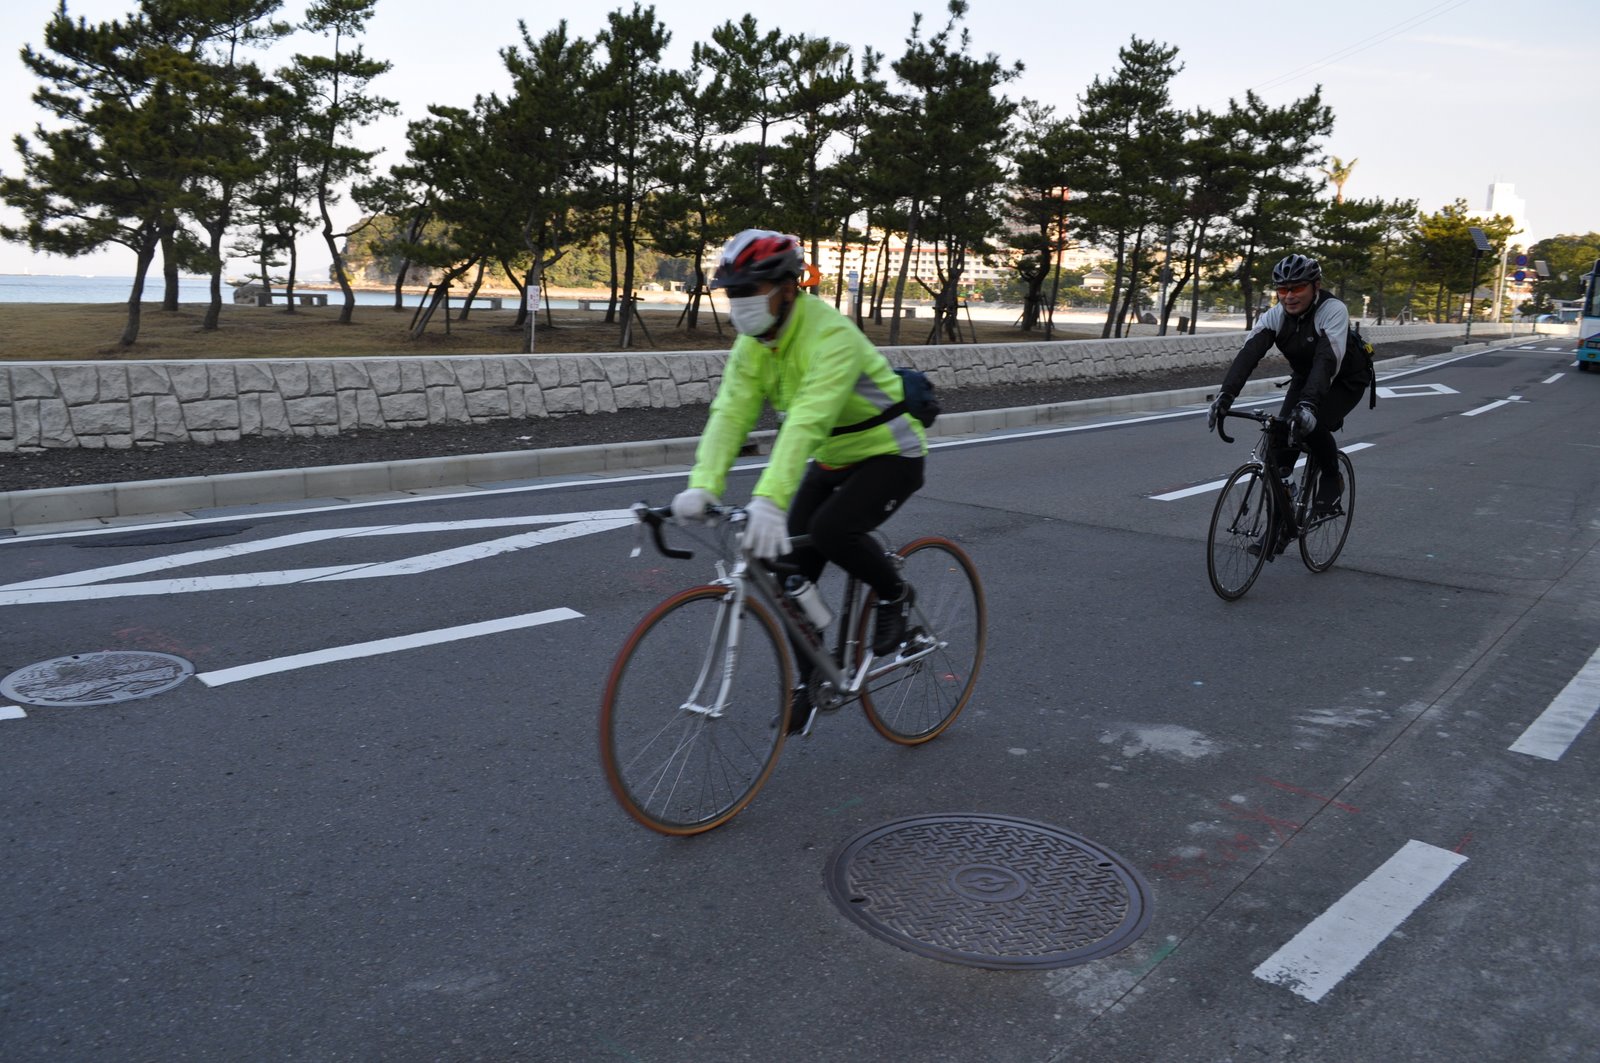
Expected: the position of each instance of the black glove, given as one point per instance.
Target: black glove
(1303, 421)
(1222, 404)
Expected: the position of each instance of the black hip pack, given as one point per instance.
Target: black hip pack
(920, 402)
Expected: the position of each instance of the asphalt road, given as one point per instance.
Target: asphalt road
(411, 854)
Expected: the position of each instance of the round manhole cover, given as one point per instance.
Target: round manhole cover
(96, 678)
(989, 891)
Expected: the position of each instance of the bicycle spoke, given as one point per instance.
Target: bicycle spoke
(1324, 538)
(915, 701)
(1243, 533)
(687, 723)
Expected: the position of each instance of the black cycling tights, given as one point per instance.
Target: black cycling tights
(839, 508)
(1331, 412)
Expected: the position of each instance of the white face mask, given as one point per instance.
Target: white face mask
(751, 315)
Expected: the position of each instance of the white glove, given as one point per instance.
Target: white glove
(689, 506)
(766, 529)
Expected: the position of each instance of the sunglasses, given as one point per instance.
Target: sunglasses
(742, 291)
(1292, 289)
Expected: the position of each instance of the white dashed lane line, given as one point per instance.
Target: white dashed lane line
(1549, 736)
(1216, 485)
(1493, 405)
(1335, 942)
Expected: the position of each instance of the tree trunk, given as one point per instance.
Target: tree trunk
(130, 330)
(1194, 268)
(214, 308)
(905, 270)
(1116, 289)
(329, 237)
(169, 268)
(400, 285)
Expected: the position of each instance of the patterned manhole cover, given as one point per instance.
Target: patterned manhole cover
(989, 891)
(96, 678)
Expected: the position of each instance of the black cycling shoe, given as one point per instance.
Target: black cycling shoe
(1254, 549)
(801, 711)
(889, 627)
(1329, 491)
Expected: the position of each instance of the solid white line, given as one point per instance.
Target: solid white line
(1335, 942)
(1560, 723)
(1493, 405)
(1216, 485)
(224, 676)
(1552, 380)
(11, 712)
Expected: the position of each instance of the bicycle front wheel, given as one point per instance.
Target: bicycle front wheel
(1324, 534)
(695, 711)
(914, 702)
(1243, 532)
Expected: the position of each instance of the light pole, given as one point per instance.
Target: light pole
(1480, 246)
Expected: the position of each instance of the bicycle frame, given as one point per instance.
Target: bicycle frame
(836, 677)
(1285, 508)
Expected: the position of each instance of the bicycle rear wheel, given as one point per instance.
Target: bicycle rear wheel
(916, 701)
(1243, 519)
(695, 711)
(1324, 536)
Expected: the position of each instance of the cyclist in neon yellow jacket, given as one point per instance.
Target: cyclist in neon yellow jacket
(846, 455)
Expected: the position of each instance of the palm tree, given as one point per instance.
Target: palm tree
(1339, 173)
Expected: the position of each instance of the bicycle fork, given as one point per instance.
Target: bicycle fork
(722, 655)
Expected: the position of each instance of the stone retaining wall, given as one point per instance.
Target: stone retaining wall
(127, 404)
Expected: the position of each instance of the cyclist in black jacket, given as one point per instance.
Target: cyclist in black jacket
(1328, 374)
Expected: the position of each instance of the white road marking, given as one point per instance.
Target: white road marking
(1564, 718)
(1553, 379)
(1335, 942)
(1411, 391)
(1216, 485)
(1493, 406)
(87, 585)
(223, 676)
(11, 712)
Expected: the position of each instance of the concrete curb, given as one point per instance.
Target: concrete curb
(334, 483)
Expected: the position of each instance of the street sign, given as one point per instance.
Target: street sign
(1522, 260)
(1519, 275)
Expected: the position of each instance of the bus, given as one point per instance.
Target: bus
(1589, 321)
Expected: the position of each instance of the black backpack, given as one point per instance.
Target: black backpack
(920, 402)
(1355, 342)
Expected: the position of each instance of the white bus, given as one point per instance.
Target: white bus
(1589, 322)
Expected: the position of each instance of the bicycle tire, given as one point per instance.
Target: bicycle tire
(1243, 517)
(679, 769)
(1323, 538)
(918, 701)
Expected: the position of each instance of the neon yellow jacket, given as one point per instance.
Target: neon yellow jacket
(824, 372)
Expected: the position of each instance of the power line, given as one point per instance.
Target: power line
(1362, 45)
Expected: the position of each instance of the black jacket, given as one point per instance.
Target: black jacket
(1316, 345)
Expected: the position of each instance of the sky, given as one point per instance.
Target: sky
(1433, 99)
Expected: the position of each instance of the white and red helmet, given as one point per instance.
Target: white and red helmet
(757, 255)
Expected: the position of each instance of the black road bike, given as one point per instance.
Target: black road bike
(1259, 514)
